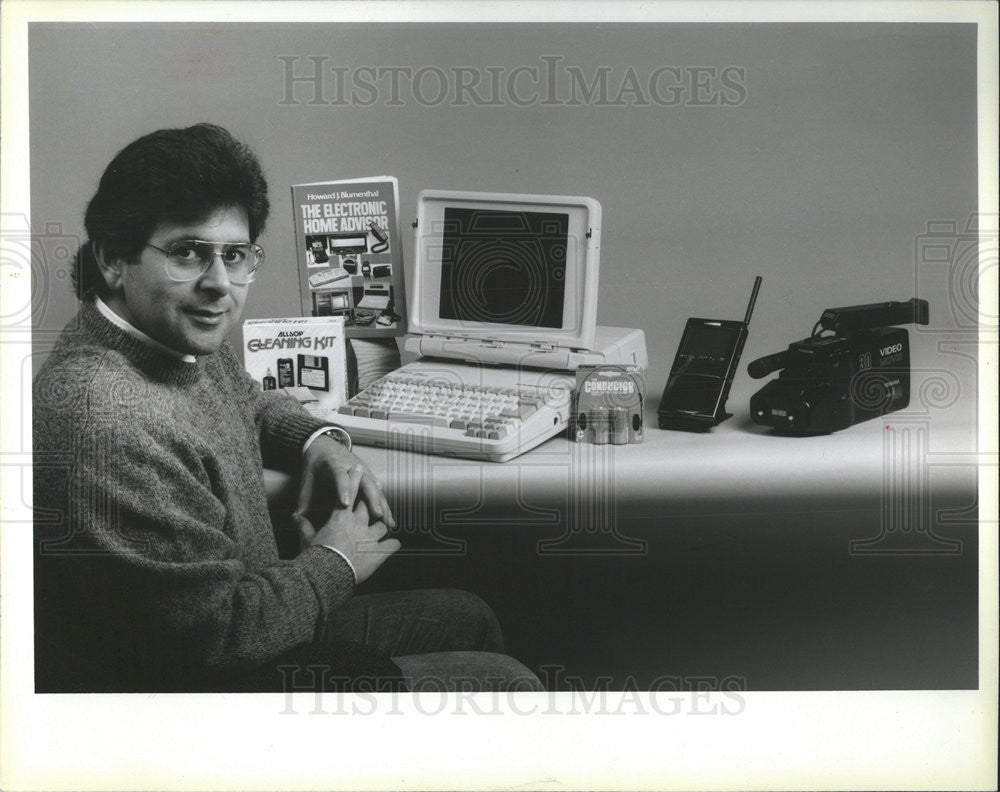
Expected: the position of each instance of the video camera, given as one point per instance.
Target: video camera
(830, 382)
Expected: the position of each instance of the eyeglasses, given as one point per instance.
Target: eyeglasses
(189, 259)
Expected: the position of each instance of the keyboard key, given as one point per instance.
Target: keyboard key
(419, 418)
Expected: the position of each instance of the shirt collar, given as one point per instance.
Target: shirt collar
(135, 332)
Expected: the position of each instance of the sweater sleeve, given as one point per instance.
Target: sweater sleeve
(148, 509)
(283, 425)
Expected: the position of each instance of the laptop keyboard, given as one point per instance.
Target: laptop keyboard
(476, 411)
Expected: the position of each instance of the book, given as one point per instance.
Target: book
(349, 254)
(303, 356)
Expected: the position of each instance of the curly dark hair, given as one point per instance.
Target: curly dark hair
(171, 175)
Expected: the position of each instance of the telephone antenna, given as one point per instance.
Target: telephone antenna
(753, 299)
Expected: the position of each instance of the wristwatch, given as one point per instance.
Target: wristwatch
(338, 434)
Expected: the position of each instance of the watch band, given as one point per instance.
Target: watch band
(336, 432)
(340, 435)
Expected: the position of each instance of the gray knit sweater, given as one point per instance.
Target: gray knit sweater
(154, 543)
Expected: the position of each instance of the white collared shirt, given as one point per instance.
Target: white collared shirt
(135, 332)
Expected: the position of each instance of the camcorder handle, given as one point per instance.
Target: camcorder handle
(851, 319)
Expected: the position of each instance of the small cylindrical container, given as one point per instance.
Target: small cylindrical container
(619, 425)
(598, 420)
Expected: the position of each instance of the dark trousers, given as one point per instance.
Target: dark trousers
(441, 639)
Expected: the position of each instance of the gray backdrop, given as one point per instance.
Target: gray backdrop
(818, 167)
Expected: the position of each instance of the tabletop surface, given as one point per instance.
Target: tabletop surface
(933, 440)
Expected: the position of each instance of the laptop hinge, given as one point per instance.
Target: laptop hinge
(488, 343)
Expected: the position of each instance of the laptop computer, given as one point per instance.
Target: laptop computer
(375, 300)
(503, 311)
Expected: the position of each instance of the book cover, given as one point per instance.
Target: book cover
(349, 255)
(303, 356)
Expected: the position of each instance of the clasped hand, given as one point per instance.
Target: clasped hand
(356, 520)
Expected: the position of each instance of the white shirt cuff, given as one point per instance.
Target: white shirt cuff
(338, 434)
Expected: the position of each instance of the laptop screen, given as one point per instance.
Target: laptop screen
(507, 267)
(504, 266)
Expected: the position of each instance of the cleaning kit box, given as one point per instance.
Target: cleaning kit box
(302, 356)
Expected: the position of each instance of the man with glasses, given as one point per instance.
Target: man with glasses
(155, 562)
